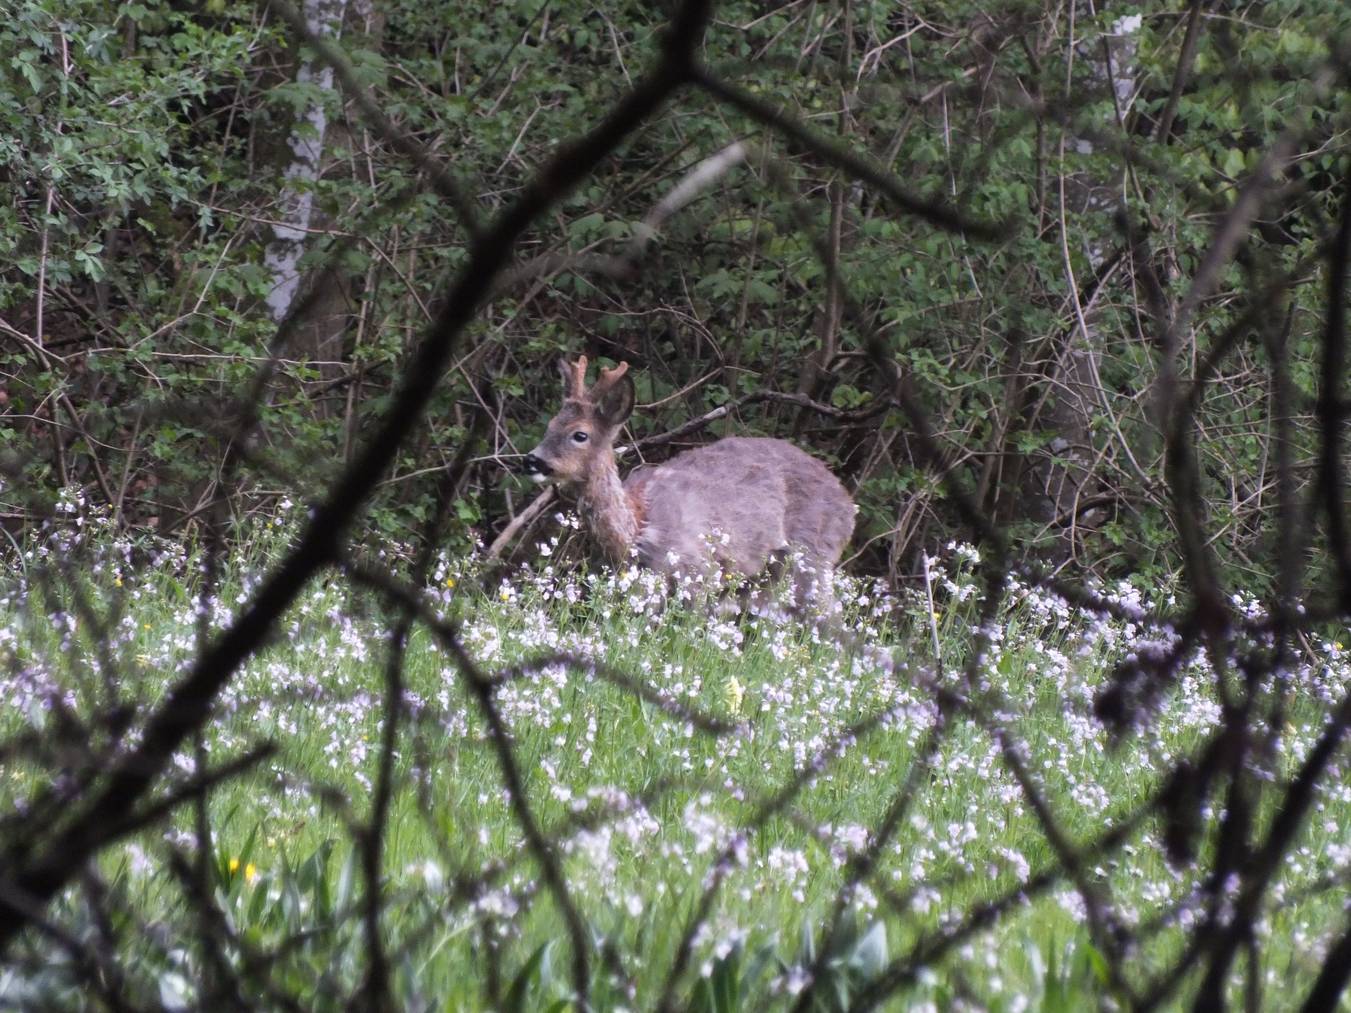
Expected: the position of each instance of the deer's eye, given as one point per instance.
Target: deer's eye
(579, 437)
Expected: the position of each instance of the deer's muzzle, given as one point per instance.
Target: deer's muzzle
(535, 468)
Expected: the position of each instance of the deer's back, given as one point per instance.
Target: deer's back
(737, 502)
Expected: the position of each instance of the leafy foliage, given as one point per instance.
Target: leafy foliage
(1071, 279)
(147, 146)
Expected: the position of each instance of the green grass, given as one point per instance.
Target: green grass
(642, 802)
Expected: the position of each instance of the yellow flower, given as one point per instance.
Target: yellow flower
(734, 693)
(505, 595)
(450, 582)
(117, 581)
(234, 865)
(250, 872)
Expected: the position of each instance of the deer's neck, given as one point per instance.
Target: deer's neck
(606, 510)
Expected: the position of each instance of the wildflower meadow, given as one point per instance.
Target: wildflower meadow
(714, 787)
(586, 506)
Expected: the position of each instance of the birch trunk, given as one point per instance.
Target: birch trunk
(324, 19)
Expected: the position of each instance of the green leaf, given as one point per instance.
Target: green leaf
(346, 882)
(526, 978)
(869, 956)
(174, 991)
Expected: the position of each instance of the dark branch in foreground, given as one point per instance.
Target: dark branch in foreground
(189, 702)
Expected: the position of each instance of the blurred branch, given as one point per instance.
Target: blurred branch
(835, 153)
(624, 266)
(399, 140)
(188, 703)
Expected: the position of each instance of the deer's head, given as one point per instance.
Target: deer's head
(580, 438)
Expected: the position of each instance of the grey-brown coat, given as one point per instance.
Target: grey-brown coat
(739, 505)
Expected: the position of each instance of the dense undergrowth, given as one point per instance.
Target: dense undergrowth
(648, 808)
(150, 149)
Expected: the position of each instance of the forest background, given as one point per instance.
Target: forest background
(185, 177)
(1064, 281)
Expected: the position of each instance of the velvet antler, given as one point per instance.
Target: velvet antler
(608, 378)
(574, 378)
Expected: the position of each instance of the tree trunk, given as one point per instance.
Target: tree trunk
(324, 20)
(1058, 480)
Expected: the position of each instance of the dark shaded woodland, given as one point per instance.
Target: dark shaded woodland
(1063, 282)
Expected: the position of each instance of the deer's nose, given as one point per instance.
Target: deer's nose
(532, 465)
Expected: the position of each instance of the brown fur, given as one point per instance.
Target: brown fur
(737, 505)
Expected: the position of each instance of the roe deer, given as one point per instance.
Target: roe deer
(740, 505)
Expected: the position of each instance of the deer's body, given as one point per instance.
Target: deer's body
(739, 505)
(741, 501)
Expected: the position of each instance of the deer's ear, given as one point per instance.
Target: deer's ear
(566, 372)
(617, 404)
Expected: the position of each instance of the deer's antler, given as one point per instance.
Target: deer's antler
(579, 379)
(608, 378)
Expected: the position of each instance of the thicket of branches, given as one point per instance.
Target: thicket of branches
(185, 178)
(1069, 284)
